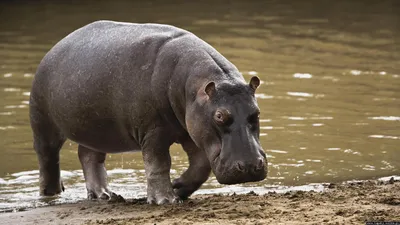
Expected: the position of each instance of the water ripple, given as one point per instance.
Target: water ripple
(384, 136)
(264, 96)
(300, 94)
(7, 127)
(289, 164)
(277, 151)
(295, 118)
(12, 89)
(302, 75)
(6, 113)
(317, 124)
(359, 72)
(349, 151)
(389, 118)
(333, 149)
(14, 106)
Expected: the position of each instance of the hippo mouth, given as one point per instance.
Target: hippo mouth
(216, 157)
(214, 154)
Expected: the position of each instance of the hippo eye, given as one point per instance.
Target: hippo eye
(253, 118)
(219, 117)
(222, 117)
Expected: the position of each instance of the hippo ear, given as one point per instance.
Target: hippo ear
(210, 89)
(254, 82)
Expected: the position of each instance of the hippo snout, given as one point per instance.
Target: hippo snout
(242, 171)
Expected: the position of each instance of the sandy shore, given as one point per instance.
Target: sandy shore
(346, 203)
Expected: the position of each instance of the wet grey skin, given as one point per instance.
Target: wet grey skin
(115, 87)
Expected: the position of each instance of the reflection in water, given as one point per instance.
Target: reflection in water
(329, 97)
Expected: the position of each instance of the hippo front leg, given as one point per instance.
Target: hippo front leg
(157, 162)
(197, 173)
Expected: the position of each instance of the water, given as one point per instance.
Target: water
(329, 99)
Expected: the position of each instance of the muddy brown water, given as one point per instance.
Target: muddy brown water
(329, 99)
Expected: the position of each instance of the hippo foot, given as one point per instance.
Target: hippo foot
(51, 190)
(162, 194)
(184, 189)
(162, 200)
(105, 195)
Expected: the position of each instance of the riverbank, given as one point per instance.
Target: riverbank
(346, 203)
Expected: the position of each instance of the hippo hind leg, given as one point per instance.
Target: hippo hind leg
(47, 142)
(95, 175)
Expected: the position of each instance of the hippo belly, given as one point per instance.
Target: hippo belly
(104, 136)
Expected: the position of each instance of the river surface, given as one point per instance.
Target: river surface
(329, 99)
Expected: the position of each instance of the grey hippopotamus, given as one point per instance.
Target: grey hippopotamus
(115, 87)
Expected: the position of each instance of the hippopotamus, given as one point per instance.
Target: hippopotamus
(116, 87)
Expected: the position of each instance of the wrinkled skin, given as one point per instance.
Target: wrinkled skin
(114, 87)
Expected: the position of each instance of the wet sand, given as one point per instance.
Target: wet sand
(346, 203)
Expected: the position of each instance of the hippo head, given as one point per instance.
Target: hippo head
(224, 121)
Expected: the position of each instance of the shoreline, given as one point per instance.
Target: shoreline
(354, 202)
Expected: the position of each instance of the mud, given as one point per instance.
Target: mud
(346, 203)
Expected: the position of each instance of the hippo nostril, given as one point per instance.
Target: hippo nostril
(240, 166)
(260, 164)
